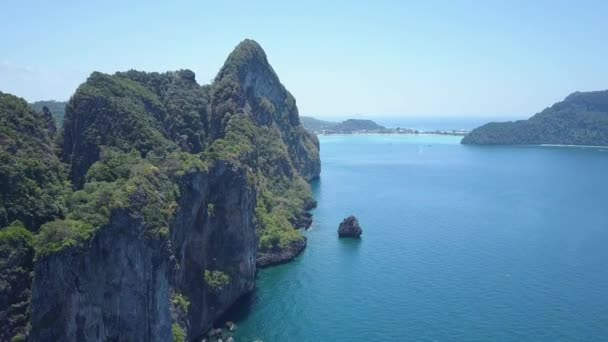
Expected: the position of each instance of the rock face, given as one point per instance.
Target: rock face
(247, 83)
(223, 239)
(350, 228)
(580, 119)
(118, 289)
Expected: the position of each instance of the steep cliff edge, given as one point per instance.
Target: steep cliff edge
(33, 187)
(580, 119)
(31, 176)
(180, 189)
(121, 284)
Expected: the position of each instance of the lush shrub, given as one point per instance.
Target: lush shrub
(57, 235)
(18, 338)
(178, 333)
(181, 302)
(216, 280)
(33, 183)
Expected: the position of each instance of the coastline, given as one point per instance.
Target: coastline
(392, 133)
(572, 146)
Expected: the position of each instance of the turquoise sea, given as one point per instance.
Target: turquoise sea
(460, 243)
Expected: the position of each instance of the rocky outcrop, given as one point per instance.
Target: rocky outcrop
(281, 255)
(349, 227)
(247, 83)
(222, 238)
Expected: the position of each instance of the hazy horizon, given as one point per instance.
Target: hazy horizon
(439, 59)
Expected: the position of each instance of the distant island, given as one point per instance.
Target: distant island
(580, 119)
(354, 126)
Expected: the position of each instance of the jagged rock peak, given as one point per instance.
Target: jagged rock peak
(247, 55)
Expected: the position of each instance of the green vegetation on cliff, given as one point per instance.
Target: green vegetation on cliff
(178, 333)
(216, 280)
(119, 181)
(32, 180)
(261, 128)
(580, 119)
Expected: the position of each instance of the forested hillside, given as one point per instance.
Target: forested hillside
(580, 119)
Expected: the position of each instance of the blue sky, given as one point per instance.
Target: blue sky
(370, 58)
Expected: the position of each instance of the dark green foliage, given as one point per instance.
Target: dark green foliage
(134, 111)
(177, 164)
(16, 265)
(185, 104)
(32, 180)
(238, 142)
(60, 234)
(122, 181)
(581, 119)
(111, 111)
(19, 338)
(56, 108)
(114, 165)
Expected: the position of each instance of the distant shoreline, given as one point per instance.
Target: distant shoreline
(459, 135)
(361, 126)
(393, 133)
(570, 146)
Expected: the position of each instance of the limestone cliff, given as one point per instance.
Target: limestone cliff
(180, 188)
(119, 286)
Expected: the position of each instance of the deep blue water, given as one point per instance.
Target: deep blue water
(460, 243)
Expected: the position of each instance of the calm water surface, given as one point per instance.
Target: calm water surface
(460, 243)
